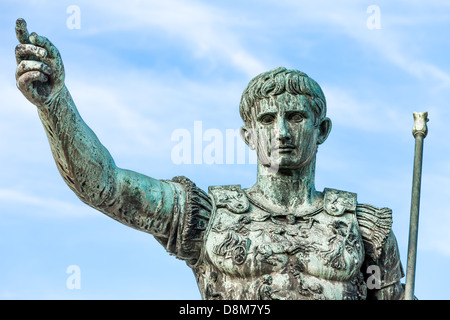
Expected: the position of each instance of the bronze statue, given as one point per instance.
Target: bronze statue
(279, 239)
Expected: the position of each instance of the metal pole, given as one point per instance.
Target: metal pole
(420, 131)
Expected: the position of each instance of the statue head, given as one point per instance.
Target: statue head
(284, 112)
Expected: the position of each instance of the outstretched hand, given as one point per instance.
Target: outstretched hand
(40, 70)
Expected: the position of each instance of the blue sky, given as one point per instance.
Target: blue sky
(138, 71)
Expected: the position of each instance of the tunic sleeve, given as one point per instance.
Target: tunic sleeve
(381, 252)
(390, 272)
(189, 219)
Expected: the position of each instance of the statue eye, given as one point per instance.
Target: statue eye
(296, 117)
(267, 119)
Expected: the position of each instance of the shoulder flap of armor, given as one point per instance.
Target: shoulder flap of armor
(375, 225)
(231, 197)
(337, 202)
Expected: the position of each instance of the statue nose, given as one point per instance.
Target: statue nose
(283, 131)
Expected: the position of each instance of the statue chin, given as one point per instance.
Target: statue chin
(286, 164)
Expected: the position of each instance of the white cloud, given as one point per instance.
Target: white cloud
(137, 115)
(53, 208)
(347, 110)
(119, 123)
(207, 30)
(390, 42)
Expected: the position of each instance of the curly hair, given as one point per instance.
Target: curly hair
(278, 81)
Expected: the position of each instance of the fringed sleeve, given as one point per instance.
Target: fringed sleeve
(375, 225)
(191, 212)
(381, 251)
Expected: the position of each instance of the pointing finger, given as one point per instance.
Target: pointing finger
(21, 31)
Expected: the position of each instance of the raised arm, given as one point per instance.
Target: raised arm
(161, 208)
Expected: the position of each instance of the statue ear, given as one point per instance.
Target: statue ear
(324, 130)
(248, 137)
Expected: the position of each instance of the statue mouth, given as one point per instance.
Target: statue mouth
(286, 148)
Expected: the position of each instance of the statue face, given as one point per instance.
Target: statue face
(284, 132)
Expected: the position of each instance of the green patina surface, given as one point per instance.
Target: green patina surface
(279, 239)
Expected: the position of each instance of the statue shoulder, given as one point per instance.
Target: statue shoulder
(375, 225)
(337, 202)
(231, 197)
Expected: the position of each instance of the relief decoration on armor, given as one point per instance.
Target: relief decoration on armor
(290, 243)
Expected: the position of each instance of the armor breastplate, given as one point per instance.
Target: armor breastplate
(251, 253)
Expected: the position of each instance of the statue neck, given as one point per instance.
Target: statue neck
(285, 190)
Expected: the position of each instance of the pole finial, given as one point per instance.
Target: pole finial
(420, 123)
